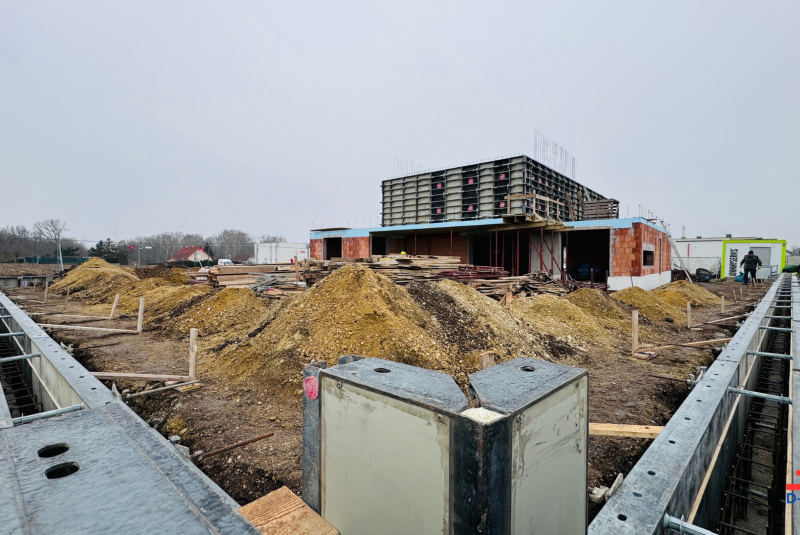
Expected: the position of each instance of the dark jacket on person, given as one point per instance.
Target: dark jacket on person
(751, 261)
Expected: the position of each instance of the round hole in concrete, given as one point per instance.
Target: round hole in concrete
(94, 388)
(637, 494)
(699, 400)
(72, 366)
(651, 473)
(671, 441)
(51, 450)
(81, 377)
(62, 470)
(382, 370)
(687, 418)
(622, 517)
(527, 368)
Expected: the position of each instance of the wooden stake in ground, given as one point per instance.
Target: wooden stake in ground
(723, 304)
(635, 331)
(114, 307)
(193, 353)
(46, 288)
(296, 270)
(66, 300)
(689, 315)
(140, 321)
(487, 359)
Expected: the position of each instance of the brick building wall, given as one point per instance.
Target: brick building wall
(627, 251)
(315, 250)
(356, 247)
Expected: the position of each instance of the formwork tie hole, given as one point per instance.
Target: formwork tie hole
(62, 470)
(51, 450)
(527, 368)
(622, 517)
(687, 418)
(382, 370)
(637, 494)
(671, 441)
(651, 473)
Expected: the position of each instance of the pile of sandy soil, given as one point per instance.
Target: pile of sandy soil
(358, 311)
(222, 317)
(472, 323)
(94, 278)
(692, 293)
(162, 272)
(608, 312)
(560, 318)
(650, 305)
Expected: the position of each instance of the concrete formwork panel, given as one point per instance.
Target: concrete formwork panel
(683, 470)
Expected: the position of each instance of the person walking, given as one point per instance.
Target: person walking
(750, 263)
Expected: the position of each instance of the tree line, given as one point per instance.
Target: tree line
(46, 237)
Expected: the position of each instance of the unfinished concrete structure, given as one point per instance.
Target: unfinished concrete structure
(621, 252)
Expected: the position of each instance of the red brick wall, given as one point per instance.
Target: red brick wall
(355, 247)
(315, 251)
(431, 244)
(628, 246)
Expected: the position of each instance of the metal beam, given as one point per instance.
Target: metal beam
(760, 395)
(773, 355)
(5, 335)
(19, 357)
(770, 328)
(48, 414)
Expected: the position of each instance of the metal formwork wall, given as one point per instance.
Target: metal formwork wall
(480, 191)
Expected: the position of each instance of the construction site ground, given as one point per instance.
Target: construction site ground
(234, 404)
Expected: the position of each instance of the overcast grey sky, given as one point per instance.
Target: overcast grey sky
(130, 118)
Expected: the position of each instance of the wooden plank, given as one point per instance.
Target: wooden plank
(282, 513)
(688, 344)
(625, 430)
(77, 328)
(140, 376)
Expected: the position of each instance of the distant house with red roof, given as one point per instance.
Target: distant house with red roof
(191, 253)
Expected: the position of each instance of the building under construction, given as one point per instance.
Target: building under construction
(516, 214)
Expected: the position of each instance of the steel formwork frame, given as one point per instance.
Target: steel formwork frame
(680, 474)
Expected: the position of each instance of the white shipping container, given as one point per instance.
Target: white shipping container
(280, 253)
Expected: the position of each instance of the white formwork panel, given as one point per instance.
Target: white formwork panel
(402, 486)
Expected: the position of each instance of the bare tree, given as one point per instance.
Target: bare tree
(230, 242)
(269, 238)
(51, 230)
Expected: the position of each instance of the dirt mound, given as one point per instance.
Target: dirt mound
(352, 311)
(223, 317)
(650, 305)
(561, 319)
(472, 322)
(94, 278)
(162, 272)
(608, 312)
(671, 297)
(692, 293)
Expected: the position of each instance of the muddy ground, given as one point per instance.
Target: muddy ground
(622, 390)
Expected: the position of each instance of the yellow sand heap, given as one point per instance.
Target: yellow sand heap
(558, 317)
(94, 278)
(649, 304)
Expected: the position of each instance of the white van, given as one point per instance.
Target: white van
(224, 262)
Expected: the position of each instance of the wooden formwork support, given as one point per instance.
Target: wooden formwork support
(625, 430)
(193, 353)
(140, 320)
(635, 332)
(114, 307)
